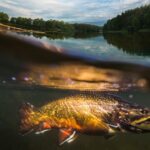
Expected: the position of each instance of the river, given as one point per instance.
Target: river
(109, 63)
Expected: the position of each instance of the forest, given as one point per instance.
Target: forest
(131, 20)
(48, 26)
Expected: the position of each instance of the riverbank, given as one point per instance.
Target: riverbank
(16, 29)
(53, 34)
(126, 31)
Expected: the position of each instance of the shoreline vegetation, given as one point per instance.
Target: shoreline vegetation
(16, 29)
(47, 27)
(134, 20)
(126, 31)
(130, 21)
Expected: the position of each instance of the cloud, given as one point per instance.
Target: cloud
(77, 11)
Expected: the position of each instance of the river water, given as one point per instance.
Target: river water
(29, 72)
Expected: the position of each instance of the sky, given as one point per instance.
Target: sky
(69, 10)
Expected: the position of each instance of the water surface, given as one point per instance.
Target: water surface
(31, 74)
(126, 47)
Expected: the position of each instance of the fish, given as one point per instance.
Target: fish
(90, 114)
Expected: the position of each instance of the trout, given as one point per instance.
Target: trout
(91, 114)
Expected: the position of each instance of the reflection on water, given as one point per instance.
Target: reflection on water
(39, 73)
(126, 47)
(80, 76)
(38, 66)
(137, 43)
(54, 36)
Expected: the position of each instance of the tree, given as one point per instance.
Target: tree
(39, 24)
(13, 20)
(132, 20)
(4, 17)
(51, 26)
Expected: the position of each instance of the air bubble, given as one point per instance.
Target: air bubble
(3, 81)
(13, 78)
(130, 96)
(26, 78)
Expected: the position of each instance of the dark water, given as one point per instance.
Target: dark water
(28, 73)
(10, 102)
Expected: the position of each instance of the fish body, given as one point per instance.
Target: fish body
(93, 114)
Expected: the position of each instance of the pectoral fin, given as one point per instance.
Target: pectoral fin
(66, 135)
(43, 127)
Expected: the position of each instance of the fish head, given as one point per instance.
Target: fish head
(140, 119)
(142, 123)
(135, 119)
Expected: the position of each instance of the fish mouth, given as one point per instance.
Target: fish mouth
(142, 123)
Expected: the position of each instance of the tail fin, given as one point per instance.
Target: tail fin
(26, 113)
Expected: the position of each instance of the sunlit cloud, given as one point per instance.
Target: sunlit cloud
(76, 11)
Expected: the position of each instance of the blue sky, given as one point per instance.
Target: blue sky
(69, 10)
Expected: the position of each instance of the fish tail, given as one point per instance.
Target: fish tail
(26, 113)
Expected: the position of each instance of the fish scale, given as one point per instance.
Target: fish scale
(94, 114)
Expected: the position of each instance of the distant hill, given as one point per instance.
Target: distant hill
(97, 23)
(131, 20)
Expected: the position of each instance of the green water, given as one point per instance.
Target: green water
(11, 98)
(15, 68)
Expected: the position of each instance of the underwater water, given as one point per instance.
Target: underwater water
(11, 98)
(39, 78)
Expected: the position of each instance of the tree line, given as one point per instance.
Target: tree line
(131, 20)
(48, 26)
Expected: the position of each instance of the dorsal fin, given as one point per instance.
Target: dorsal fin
(66, 135)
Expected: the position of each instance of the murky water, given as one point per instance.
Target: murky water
(31, 74)
(11, 98)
